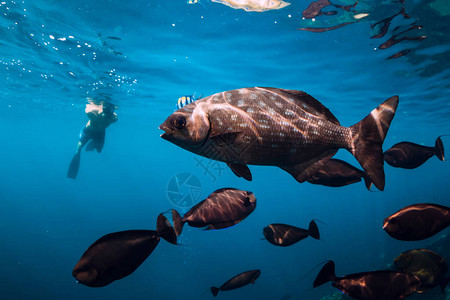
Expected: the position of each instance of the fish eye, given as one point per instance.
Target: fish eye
(179, 122)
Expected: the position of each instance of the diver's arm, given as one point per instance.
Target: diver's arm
(114, 118)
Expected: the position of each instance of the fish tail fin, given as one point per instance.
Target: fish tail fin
(326, 274)
(443, 284)
(368, 136)
(177, 222)
(313, 230)
(367, 182)
(214, 291)
(166, 230)
(439, 149)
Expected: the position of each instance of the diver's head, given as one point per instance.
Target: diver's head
(108, 109)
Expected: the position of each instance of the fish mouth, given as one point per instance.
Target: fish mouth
(164, 135)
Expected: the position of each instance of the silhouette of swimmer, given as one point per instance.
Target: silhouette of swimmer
(409, 155)
(100, 117)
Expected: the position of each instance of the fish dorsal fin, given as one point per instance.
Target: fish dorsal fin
(305, 102)
(241, 170)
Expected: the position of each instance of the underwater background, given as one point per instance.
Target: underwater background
(142, 56)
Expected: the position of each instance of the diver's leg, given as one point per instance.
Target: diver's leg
(85, 136)
(75, 162)
(100, 141)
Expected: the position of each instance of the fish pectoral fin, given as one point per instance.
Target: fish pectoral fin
(226, 138)
(241, 170)
(301, 172)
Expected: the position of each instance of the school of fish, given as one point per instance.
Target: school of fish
(291, 130)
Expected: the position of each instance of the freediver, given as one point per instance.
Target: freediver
(100, 117)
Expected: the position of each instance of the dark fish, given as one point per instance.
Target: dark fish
(323, 29)
(337, 173)
(417, 222)
(427, 265)
(394, 40)
(276, 127)
(386, 23)
(374, 285)
(285, 235)
(399, 54)
(114, 256)
(223, 208)
(237, 281)
(315, 8)
(166, 230)
(409, 155)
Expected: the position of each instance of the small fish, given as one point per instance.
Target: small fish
(386, 23)
(185, 100)
(399, 54)
(277, 127)
(254, 5)
(315, 8)
(114, 256)
(374, 285)
(394, 40)
(323, 29)
(427, 265)
(223, 208)
(417, 222)
(409, 155)
(285, 235)
(336, 173)
(237, 281)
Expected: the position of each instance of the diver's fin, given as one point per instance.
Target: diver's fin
(439, 149)
(304, 171)
(241, 170)
(313, 230)
(368, 136)
(326, 274)
(74, 166)
(165, 229)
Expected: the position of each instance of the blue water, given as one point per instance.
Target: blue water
(142, 56)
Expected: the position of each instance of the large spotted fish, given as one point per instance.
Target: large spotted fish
(277, 127)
